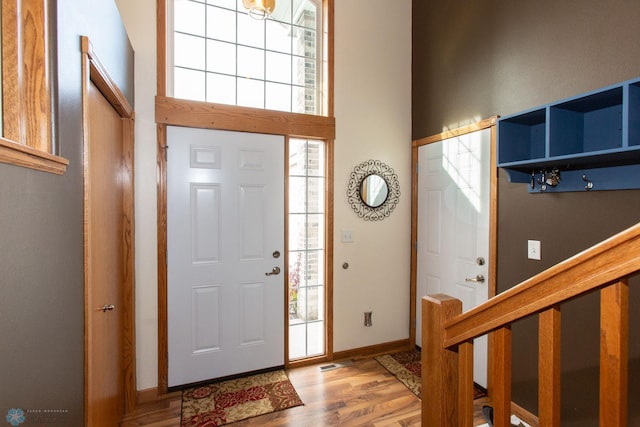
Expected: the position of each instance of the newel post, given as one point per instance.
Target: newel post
(439, 365)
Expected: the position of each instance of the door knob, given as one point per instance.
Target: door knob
(109, 307)
(276, 270)
(479, 278)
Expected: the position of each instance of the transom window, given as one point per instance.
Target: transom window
(222, 55)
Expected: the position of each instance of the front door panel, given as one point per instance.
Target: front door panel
(225, 215)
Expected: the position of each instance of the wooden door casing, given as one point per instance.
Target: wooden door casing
(110, 388)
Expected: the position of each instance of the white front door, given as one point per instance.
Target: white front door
(225, 239)
(453, 226)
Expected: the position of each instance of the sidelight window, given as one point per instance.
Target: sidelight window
(306, 248)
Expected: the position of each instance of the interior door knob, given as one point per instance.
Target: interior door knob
(479, 278)
(276, 270)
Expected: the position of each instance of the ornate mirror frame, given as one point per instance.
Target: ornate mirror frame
(354, 190)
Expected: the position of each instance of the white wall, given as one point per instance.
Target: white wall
(373, 121)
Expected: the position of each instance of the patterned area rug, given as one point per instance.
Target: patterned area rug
(225, 402)
(406, 367)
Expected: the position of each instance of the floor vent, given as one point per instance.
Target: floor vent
(336, 365)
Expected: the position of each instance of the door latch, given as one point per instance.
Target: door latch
(479, 279)
(276, 270)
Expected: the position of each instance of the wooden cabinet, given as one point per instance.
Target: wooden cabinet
(588, 142)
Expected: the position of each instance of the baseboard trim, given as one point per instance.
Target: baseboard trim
(147, 395)
(373, 350)
(151, 396)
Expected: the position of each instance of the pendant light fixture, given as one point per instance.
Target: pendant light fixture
(259, 9)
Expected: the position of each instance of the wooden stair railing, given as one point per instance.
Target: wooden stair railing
(447, 356)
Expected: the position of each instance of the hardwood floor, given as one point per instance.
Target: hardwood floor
(361, 394)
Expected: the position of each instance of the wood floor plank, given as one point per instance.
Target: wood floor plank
(360, 394)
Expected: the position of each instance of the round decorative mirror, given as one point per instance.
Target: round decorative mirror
(373, 190)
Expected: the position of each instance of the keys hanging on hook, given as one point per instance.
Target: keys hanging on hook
(549, 178)
(553, 177)
(543, 180)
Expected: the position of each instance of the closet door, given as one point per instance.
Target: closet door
(105, 256)
(453, 226)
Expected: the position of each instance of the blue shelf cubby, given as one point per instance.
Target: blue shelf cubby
(591, 142)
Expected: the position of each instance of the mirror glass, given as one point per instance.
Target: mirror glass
(374, 190)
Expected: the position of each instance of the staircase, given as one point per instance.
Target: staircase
(447, 353)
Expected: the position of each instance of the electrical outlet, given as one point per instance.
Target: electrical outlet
(367, 318)
(533, 249)
(347, 236)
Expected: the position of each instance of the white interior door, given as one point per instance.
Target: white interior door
(225, 239)
(453, 227)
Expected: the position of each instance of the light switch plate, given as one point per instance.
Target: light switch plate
(533, 249)
(347, 236)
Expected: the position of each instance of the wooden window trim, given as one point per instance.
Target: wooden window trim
(27, 139)
(205, 115)
(22, 155)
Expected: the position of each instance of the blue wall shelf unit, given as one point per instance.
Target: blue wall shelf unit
(585, 143)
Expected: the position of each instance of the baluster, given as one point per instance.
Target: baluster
(549, 367)
(614, 354)
(502, 380)
(465, 383)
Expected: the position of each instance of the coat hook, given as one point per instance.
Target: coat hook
(589, 184)
(532, 184)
